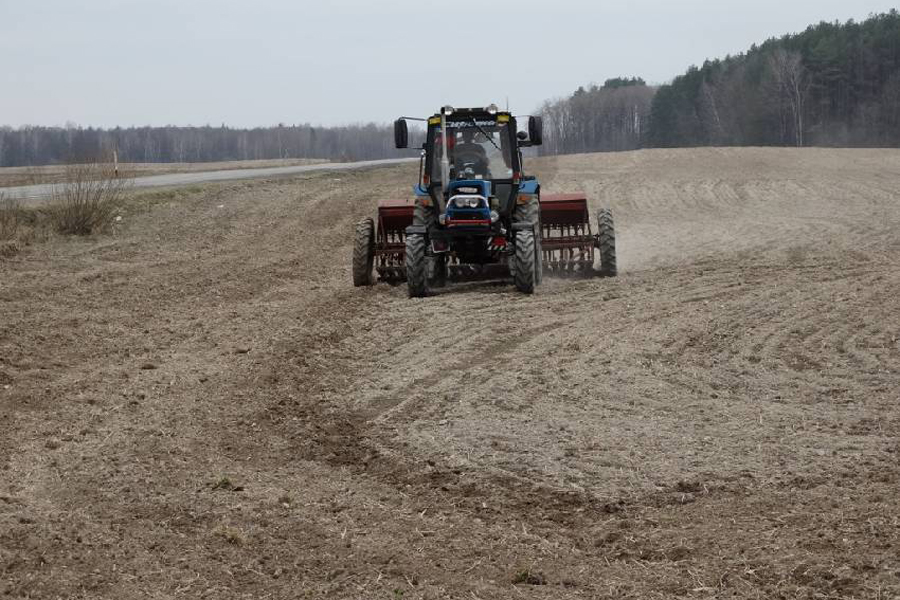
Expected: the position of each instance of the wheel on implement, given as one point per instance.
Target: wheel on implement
(525, 274)
(363, 252)
(606, 243)
(416, 266)
(567, 244)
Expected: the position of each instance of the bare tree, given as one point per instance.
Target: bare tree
(608, 118)
(793, 84)
(709, 113)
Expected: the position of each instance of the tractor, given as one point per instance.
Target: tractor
(474, 214)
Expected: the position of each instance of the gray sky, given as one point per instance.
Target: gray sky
(193, 62)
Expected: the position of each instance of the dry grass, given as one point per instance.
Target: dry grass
(89, 200)
(10, 217)
(89, 204)
(18, 226)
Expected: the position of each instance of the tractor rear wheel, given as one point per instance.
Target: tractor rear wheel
(606, 242)
(525, 273)
(363, 252)
(416, 266)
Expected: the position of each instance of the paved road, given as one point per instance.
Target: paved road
(31, 194)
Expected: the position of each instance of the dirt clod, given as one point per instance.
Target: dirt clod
(528, 577)
(225, 484)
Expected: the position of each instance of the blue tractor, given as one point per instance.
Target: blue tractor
(476, 215)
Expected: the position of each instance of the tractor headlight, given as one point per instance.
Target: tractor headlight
(495, 216)
(467, 201)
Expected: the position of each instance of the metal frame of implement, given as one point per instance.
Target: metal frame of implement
(568, 244)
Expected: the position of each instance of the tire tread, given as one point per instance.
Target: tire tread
(363, 252)
(606, 235)
(525, 274)
(416, 266)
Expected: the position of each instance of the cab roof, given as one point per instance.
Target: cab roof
(467, 113)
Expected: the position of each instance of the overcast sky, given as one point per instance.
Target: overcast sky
(193, 62)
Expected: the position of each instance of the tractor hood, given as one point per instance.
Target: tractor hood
(471, 187)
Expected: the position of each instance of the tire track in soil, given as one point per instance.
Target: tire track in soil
(382, 407)
(361, 440)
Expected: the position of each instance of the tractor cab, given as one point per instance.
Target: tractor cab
(474, 185)
(471, 163)
(483, 152)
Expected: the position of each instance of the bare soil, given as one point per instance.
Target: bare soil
(18, 176)
(201, 405)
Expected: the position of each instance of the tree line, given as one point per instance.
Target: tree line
(834, 84)
(26, 146)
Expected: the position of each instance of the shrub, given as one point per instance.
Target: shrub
(88, 200)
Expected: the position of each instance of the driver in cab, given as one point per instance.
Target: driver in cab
(470, 157)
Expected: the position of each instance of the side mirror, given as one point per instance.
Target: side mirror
(401, 134)
(522, 136)
(536, 130)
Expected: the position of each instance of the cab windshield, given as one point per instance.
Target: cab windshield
(475, 152)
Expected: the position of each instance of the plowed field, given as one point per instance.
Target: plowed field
(201, 405)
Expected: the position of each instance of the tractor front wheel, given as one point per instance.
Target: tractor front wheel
(525, 274)
(416, 266)
(363, 252)
(530, 212)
